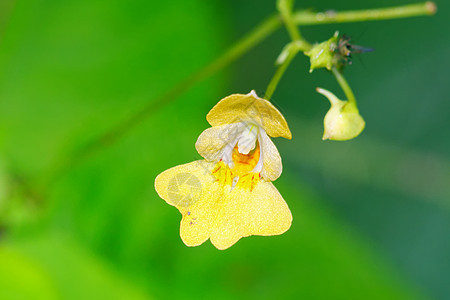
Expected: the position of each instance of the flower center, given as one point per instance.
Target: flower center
(243, 173)
(244, 163)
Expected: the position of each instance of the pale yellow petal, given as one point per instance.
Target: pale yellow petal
(249, 108)
(194, 191)
(261, 211)
(212, 141)
(272, 166)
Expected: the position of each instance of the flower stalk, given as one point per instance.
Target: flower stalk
(284, 60)
(344, 85)
(291, 50)
(285, 9)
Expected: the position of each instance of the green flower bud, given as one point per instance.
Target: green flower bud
(343, 121)
(323, 55)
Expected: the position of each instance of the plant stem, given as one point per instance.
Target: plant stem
(328, 17)
(344, 85)
(285, 9)
(279, 73)
(298, 43)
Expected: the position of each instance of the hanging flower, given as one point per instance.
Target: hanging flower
(229, 194)
(343, 121)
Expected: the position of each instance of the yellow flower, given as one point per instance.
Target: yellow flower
(229, 194)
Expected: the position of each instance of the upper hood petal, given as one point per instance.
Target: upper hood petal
(249, 108)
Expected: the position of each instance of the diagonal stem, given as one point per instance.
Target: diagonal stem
(279, 73)
(285, 9)
(344, 85)
(298, 43)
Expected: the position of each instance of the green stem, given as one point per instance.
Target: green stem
(344, 85)
(293, 48)
(285, 9)
(328, 17)
(298, 43)
(279, 73)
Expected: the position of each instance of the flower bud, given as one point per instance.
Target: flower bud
(343, 121)
(323, 55)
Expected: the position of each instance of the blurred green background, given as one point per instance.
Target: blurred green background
(371, 216)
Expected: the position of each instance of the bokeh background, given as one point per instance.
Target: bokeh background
(371, 216)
